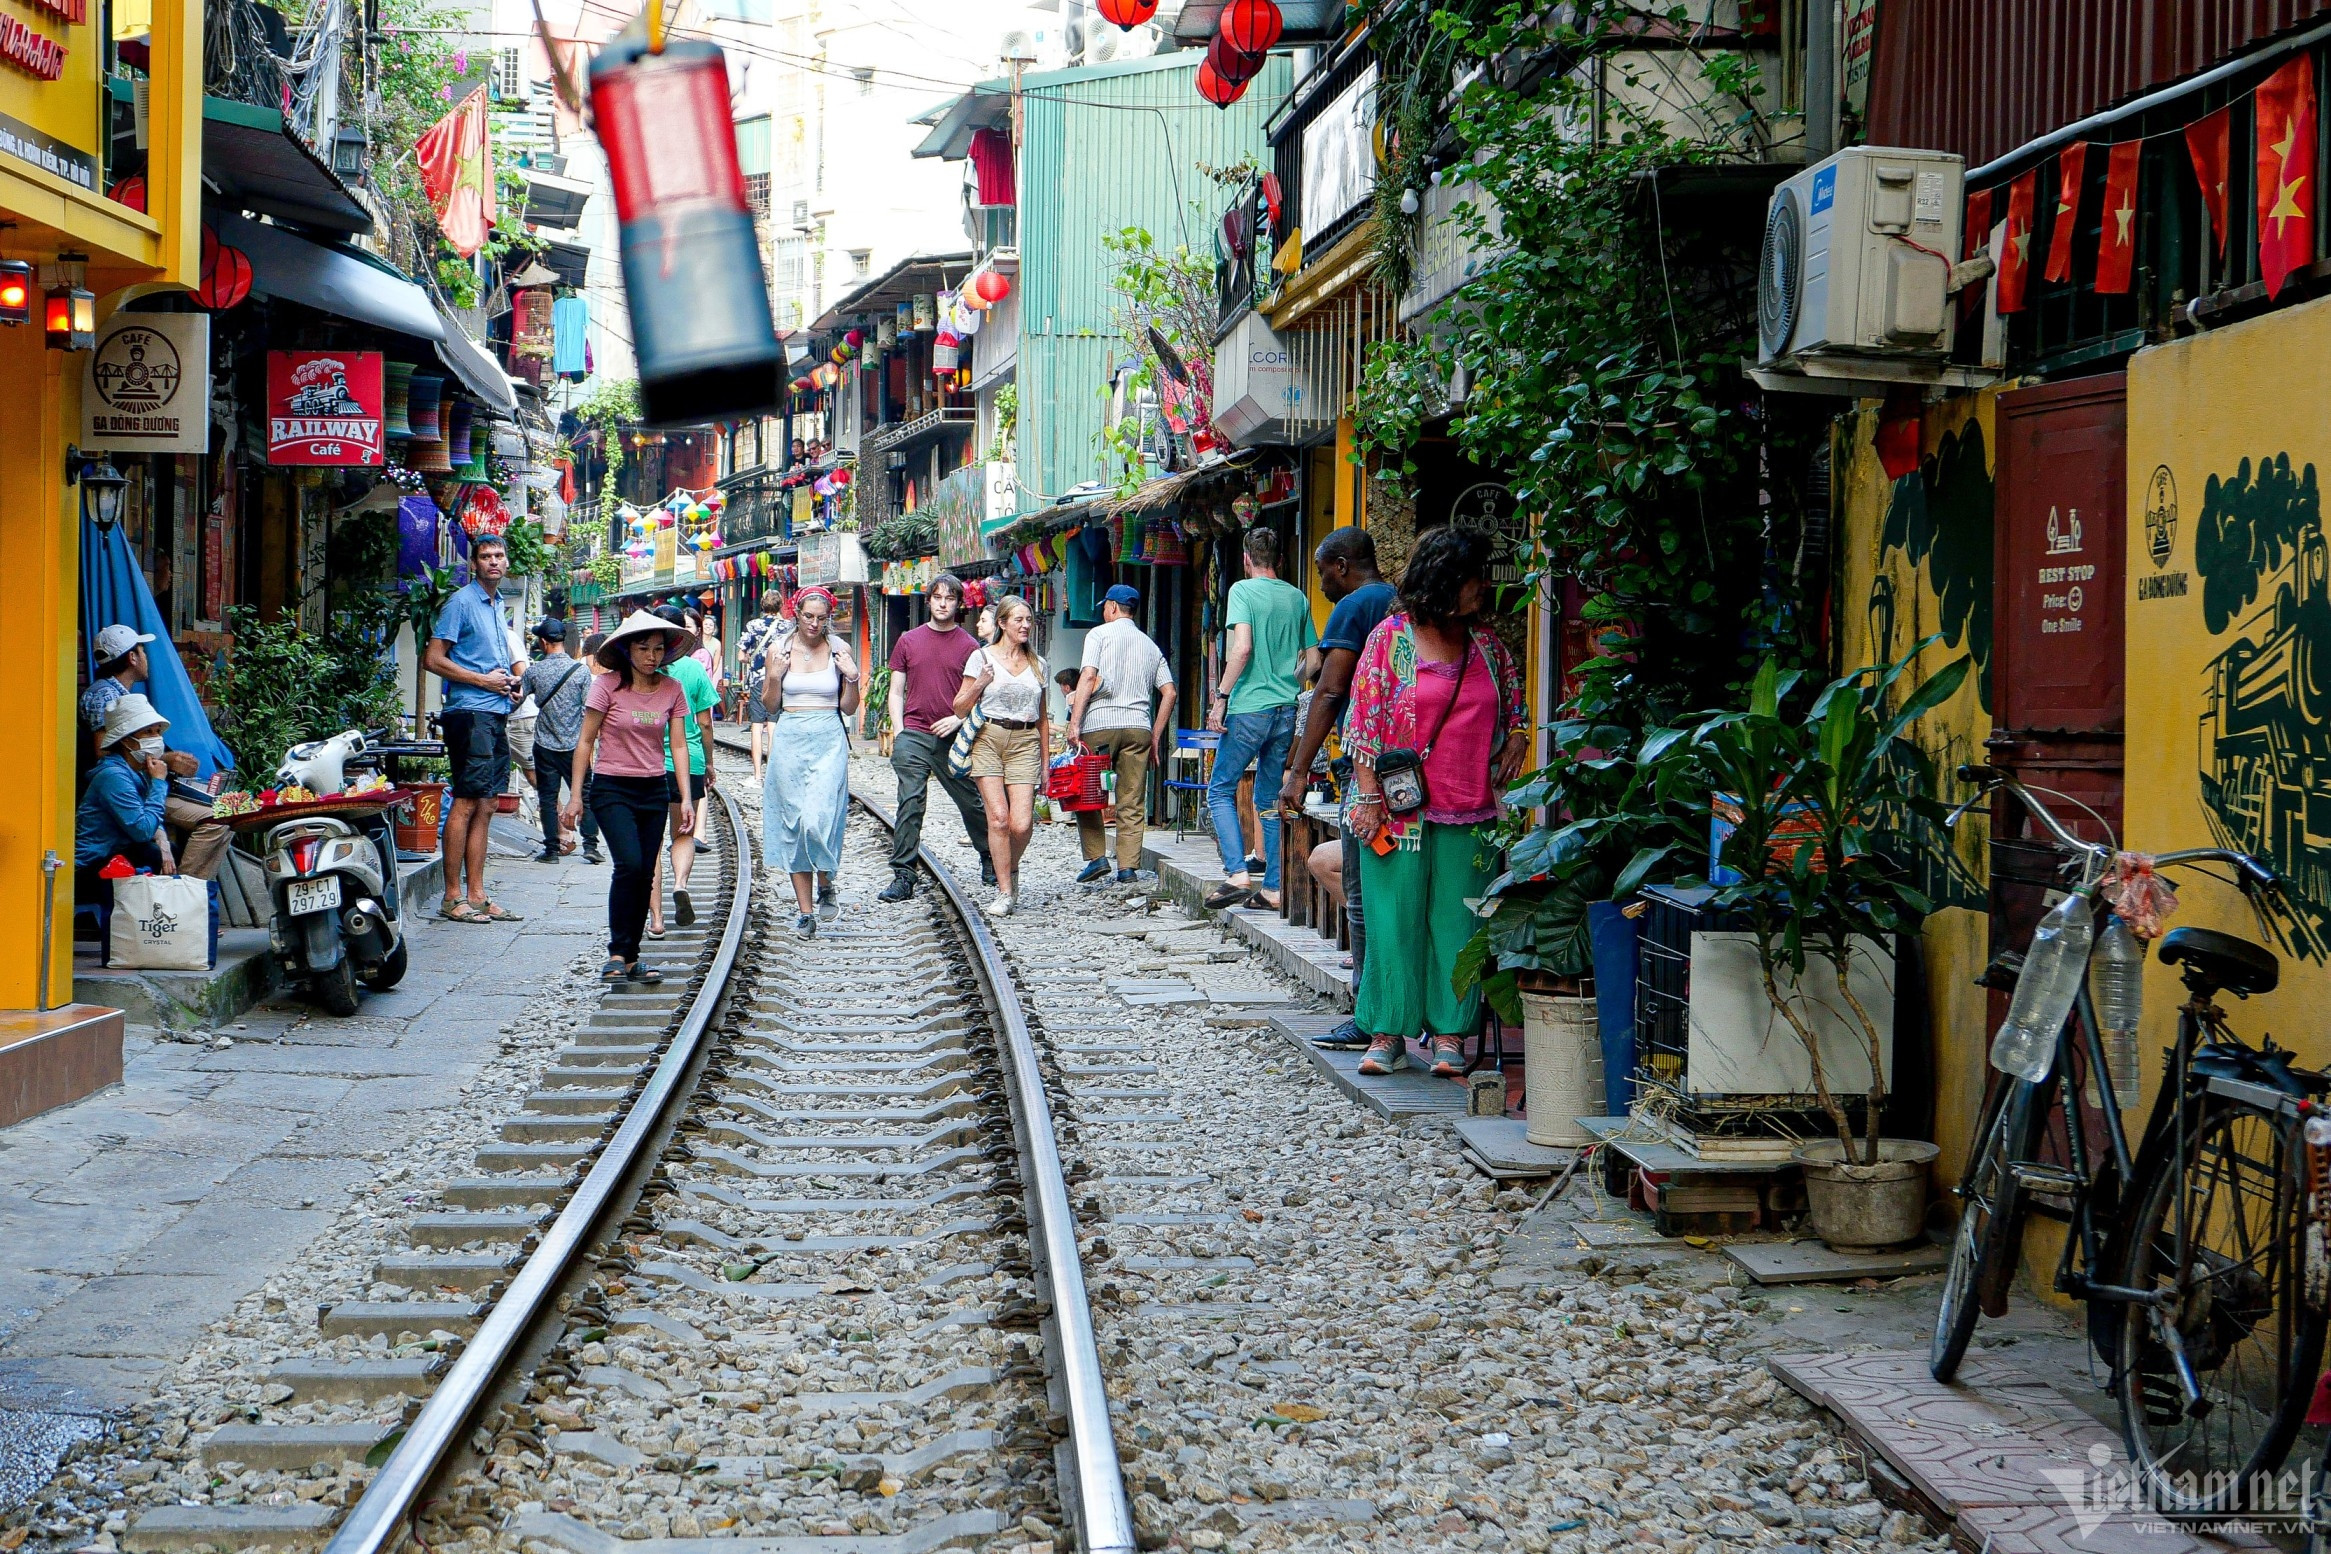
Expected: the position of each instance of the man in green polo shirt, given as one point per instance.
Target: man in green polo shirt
(1272, 647)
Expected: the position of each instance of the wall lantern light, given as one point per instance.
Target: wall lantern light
(15, 291)
(348, 150)
(70, 311)
(101, 484)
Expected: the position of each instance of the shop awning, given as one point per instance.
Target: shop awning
(344, 282)
(468, 361)
(256, 164)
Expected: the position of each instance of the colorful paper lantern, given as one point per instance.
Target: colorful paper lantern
(1127, 14)
(855, 338)
(995, 286)
(841, 477)
(226, 279)
(1214, 89)
(1229, 63)
(1251, 26)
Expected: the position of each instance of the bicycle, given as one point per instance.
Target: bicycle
(2191, 1249)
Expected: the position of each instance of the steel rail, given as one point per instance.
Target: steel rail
(379, 1518)
(1104, 1516)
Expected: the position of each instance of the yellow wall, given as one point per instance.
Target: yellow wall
(2229, 602)
(1914, 562)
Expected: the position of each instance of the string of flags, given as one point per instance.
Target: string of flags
(2284, 188)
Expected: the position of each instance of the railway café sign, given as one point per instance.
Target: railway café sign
(324, 407)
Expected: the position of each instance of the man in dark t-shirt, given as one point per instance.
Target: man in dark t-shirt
(1346, 563)
(926, 670)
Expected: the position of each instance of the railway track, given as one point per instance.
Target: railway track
(778, 1256)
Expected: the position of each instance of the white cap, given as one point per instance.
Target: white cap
(116, 641)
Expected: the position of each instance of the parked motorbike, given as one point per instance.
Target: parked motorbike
(335, 918)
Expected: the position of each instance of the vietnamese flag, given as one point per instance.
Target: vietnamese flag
(2072, 166)
(2116, 247)
(1978, 231)
(456, 162)
(2015, 263)
(2286, 172)
(2206, 141)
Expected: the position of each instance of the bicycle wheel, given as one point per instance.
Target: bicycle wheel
(2254, 1343)
(1984, 1248)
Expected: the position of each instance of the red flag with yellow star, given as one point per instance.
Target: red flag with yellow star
(457, 171)
(2206, 141)
(2116, 246)
(2286, 172)
(2072, 168)
(2015, 262)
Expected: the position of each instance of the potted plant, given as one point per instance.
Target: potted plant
(1829, 803)
(1612, 828)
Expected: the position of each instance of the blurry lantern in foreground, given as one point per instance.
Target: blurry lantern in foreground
(1230, 64)
(700, 323)
(1127, 14)
(1251, 26)
(1214, 89)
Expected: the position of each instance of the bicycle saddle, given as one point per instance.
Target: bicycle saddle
(2221, 960)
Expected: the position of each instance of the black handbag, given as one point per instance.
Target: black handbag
(1400, 770)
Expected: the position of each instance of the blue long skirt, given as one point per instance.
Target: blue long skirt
(805, 797)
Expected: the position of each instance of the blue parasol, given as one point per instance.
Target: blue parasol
(114, 592)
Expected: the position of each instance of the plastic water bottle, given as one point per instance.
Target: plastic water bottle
(2116, 981)
(2044, 993)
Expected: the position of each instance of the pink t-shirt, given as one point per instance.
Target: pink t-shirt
(631, 742)
(1456, 771)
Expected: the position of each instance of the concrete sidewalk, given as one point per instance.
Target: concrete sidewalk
(134, 1218)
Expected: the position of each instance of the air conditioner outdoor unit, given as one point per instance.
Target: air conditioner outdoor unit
(1855, 284)
(801, 221)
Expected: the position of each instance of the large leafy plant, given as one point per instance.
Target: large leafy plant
(282, 685)
(1833, 799)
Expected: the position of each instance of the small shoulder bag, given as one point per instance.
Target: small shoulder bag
(1400, 770)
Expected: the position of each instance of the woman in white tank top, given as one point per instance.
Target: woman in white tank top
(811, 686)
(1005, 681)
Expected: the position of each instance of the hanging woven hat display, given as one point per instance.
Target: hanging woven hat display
(1129, 545)
(396, 399)
(428, 455)
(459, 418)
(424, 407)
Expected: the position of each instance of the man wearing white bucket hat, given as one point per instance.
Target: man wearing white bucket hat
(121, 663)
(121, 809)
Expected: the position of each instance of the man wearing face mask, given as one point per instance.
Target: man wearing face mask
(121, 809)
(121, 663)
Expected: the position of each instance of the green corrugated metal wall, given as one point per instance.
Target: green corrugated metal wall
(1107, 148)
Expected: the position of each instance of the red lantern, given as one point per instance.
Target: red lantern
(1214, 89)
(131, 191)
(842, 476)
(1230, 64)
(226, 279)
(1251, 26)
(1128, 14)
(993, 288)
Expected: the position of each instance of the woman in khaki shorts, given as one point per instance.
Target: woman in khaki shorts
(1006, 682)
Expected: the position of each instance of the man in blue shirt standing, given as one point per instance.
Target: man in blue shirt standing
(1346, 560)
(469, 649)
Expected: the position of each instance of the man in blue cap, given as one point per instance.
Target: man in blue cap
(1110, 714)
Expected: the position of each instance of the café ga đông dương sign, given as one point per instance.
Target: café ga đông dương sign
(145, 388)
(323, 407)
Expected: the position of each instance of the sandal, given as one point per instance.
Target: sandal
(461, 912)
(655, 933)
(636, 972)
(613, 970)
(1228, 896)
(490, 913)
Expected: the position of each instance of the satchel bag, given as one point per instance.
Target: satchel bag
(1400, 770)
(163, 922)
(966, 735)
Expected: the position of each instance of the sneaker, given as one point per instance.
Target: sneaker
(593, 855)
(1448, 1056)
(829, 905)
(1347, 1037)
(1002, 906)
(1093, 871)
(683, 909)
(805, 926)
(1386, 1055)
(546, 857)
(987, 872)
(828, 895)
(901, 886)
(1135, 877)
(1254, 865)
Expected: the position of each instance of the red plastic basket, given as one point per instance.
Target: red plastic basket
(1075, 784)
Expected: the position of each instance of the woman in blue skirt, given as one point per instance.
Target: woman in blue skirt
(811, 688)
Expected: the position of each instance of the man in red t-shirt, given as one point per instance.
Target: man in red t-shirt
(926, 670)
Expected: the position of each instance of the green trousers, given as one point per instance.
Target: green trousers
(1417, 922)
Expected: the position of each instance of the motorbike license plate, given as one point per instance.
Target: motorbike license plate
(315, 895)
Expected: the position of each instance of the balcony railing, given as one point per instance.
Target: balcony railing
(897, 434)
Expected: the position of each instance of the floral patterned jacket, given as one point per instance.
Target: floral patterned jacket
(1383, 709)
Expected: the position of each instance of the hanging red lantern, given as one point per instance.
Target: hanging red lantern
(226, 279)
(131, 191)
(1127, 14)
(1252, 26)
(1230, 64)
(993, 288)
(1214, 89)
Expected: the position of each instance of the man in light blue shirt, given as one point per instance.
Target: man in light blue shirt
(469, 649)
